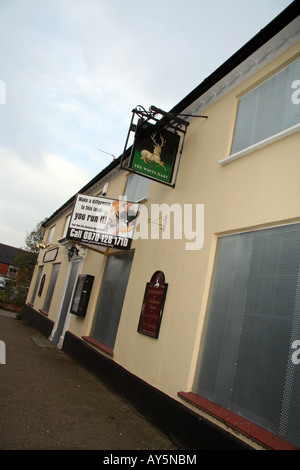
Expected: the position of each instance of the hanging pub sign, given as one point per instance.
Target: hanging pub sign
(153, 305)
(157, 147)
(102, 221)
(154, 151)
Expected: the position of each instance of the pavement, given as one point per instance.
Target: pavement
(49, 402)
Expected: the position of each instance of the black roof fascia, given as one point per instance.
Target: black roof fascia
(264, 35)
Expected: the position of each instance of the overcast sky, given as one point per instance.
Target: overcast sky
(71, 71)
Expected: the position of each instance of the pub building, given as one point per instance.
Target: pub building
(173, 275)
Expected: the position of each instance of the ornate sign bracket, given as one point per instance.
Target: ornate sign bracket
(166, 130)
(168, 120)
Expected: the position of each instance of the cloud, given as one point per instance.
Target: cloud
(31, 193)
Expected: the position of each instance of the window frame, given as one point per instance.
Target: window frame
(101, 315)
(66, 225)
(227, 415)
(144, 197)
(51, 288)
(50, 235)
(36, 285)
(265, 141)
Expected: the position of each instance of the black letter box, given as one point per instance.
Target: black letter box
(82, 295)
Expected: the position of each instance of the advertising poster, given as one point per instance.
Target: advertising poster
(102, 221)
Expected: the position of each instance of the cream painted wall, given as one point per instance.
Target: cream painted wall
(47, 271)
(94, 265)
(255, 191)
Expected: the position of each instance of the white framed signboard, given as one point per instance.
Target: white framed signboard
(103, 221)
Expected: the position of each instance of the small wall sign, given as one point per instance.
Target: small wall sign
(153, 305)
(50, 255)
(82, 294)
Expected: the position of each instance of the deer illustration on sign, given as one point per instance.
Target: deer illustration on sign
(150, 157)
